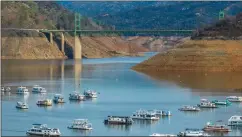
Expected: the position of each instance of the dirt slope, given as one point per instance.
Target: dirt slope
(198, 55)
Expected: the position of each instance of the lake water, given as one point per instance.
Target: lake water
(122, 92)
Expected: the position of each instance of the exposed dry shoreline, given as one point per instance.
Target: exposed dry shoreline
(15, 47)
(198, 55)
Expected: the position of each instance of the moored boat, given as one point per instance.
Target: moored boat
(90, 94)
(118, 120)
(22, 90)
(38, 89)
(43, 130)
(21, 105)
(235, 121)
(162, 135)
(81, 124)
(234, 99)
(5, 89)
(210, 127)
(160, 112)
(58, 98)
(206, 104)
(46, 102)
(189, 108)
(192, 133)
(144, 115)
(76, 96)
(217, 102)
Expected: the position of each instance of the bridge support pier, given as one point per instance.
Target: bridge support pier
(62, 43)
(51, 37)
(78, 48)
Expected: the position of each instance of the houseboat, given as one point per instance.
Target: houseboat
(5, 89)
(43, 130)
(81, 124)
(189, 108)
(22, 90)
(76, 96)
(234, 99)
(210, 127)
(206, 104)
(235, 121)
(58, 98)
(192, 133)
(118, 120)
(217, 102)
(145, 115)
(162, 135)
(21, 105)
(38, 89)
(90, 94)
(160, 112)
(46, 102)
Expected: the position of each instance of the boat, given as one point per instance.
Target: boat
(22, 105)
(206, 104)
(189, 108)
(217, 102)
(234, 99)
(43, 130)
(162, 135)
(5, 89)
(38, 89)
(192, 133)
(145, 115)
(58, 98)
(235, 121)
(22, 90)
(160, 112)
(90, 94)
(81, 124)
(46, 102)
(119, 120)
(76, 96)
(210, 127)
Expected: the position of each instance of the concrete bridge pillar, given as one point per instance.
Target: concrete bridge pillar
(78, 48)
(62, 43)
(51, 37)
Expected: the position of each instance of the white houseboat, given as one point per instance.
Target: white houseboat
(43, 130)
(192, 133)
(58, 98)
(81, 124)
(22, 90)
(38, 89)
(145, 115)
(162, 135)
(189, 108)
(235, 121)
(21, 105)
(46, 102)
(234, 99)
(5, 89)
(160, 112)
(76, 96)
(90, 94)
(119, 120)
(206, 104)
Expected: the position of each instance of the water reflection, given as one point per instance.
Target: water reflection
(119, 127)
(83, 132)
(200, 80)
(145, 123)
(77, 74)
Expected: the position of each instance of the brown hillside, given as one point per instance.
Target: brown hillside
(198, 55)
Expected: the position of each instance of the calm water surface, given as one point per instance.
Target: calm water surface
(122, 92)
